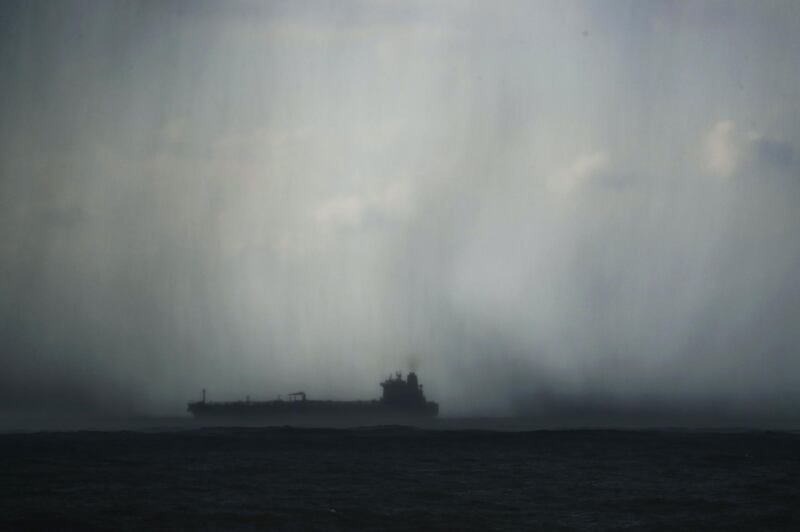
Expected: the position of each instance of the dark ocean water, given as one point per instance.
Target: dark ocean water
(395, 478)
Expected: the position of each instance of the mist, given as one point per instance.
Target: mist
(544, 208)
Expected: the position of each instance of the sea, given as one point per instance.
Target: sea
(399, 478)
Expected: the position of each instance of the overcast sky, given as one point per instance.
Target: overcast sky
(540, 206)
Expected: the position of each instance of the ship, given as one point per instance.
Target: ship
(402, 400)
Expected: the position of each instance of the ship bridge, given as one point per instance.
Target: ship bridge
(399, 391)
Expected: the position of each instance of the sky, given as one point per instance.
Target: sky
(544, 208)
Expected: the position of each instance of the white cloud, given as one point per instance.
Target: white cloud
(723, 149)
(729, 152)
(342, 210)
(579, 173)
(391, 203)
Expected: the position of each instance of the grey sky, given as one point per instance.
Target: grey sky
(534, 203)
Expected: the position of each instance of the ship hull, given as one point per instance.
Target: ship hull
(321, 413)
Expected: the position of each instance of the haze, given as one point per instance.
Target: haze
(542, 207)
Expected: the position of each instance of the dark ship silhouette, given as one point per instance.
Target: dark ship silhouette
(402, 399)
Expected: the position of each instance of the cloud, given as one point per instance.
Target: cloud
(326, 190)
(393, 203)
(722, 149)
(342, 210)
(728, 152)
(580, 173)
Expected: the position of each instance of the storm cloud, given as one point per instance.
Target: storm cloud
(543, 207)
